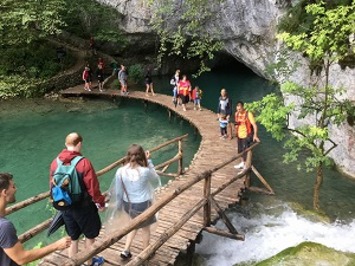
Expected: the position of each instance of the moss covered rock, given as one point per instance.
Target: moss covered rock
(310, 254)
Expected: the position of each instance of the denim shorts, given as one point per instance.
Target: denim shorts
(135, 209)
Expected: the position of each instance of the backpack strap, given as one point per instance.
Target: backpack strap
(76, 159)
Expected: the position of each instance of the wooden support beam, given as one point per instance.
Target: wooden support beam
(224, 217)
(262, 180)
(207, 207)
(216, 231)
(180, 165)
(260, 190)
(248, 165)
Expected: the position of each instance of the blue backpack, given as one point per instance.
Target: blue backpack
(66, 189)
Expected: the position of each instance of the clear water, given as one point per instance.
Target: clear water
(32, 133)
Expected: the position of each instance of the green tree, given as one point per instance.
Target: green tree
(22, 21)
(325, 43)
(182, 29)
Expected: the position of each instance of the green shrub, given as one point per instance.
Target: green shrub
(136, 72)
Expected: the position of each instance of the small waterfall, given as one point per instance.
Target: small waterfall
(269, 230)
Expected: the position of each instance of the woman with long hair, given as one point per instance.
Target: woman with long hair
(134, 192)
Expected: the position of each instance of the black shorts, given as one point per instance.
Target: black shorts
(148, 81)
(185, 99)
(82, 220)
(135, 209)
(243, 144)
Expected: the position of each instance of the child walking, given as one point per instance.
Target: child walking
(223, 123)
(196, 96)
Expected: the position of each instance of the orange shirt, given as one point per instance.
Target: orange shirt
(240, 118)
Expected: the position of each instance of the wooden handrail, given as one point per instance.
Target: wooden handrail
(81, 257)
(45, 224)
(45, 195)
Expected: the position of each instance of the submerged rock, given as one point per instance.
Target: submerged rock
(310, 254)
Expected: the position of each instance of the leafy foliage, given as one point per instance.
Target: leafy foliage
(325, 43)
(22, 21)
(88, 17)
(136, 72)
(181, 28)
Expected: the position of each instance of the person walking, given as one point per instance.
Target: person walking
(86, 76)
(225, 108)
(184, 88)
(123, 78)
(82, 217)
(175, 82)
(246, 131)
(12, 252)
(148, 80)
(196, 97)
(134, 182)
(100, 77)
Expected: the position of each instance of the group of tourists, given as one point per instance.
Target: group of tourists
(183, 92)
(131, 193)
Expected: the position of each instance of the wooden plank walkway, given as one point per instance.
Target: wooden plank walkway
(212, 151)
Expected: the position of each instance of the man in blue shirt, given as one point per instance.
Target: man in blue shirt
(12, 252)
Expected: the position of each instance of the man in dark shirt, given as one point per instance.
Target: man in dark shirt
(12, 252)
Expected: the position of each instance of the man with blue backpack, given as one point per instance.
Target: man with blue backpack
(75, 191)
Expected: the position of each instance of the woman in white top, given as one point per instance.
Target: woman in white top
(134, 183)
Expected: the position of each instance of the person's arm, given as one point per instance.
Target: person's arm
(21, 256)
(91, 183)
(255, 127)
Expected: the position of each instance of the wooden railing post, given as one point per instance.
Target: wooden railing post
(207, 195)
(180, 151)
(248, 166)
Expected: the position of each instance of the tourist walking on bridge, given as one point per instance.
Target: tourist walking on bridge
(12, 252)
(246, 131)
(184, 88)
(225, 109)
(123, 78)
(148, 80)
(133, 190)
(81, 217)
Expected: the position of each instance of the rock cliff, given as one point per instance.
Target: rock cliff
(248, 30)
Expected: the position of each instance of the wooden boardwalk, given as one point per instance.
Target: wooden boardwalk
(212, 151)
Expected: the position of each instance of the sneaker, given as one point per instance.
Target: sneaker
(239, 166)
(125, 255)
(97, 261)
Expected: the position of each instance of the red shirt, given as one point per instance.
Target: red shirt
(85, 170)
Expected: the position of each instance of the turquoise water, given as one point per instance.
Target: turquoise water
(32, 134)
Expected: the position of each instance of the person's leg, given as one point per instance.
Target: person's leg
(152, 89)
(145, 236)
(146, 89)
(230, 130)
(73, 249)
(89, 242)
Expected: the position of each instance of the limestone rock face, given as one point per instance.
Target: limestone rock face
(248, 30)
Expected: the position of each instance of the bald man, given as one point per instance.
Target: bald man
(82, 217)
